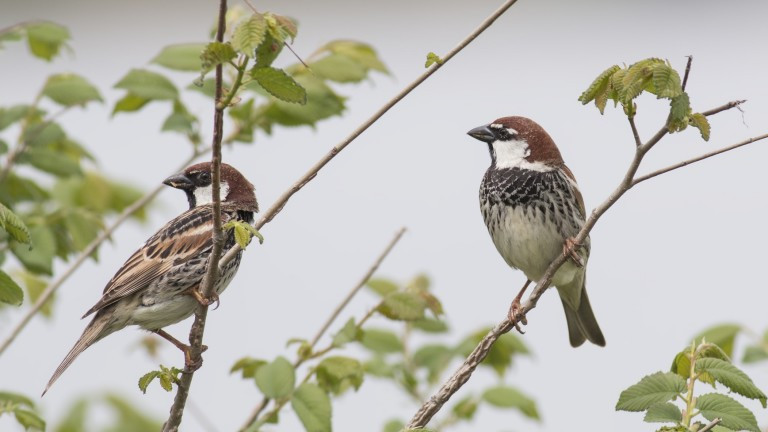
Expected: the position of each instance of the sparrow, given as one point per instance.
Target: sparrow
(533, 209)
(158, 285)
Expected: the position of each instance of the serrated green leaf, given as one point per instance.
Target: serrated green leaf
(10, 291)
(16, 399)
(664, 412)
(313, 407)
(180, 57)
(146, 380)
(403, 306)
(680, 107)
(28, 419)
(276, 379)
(216, 53)
(733, 414)
(381, 341)
(129, 103)
(280, 85)
(510, 397)
(322, 103)
(722, 335)
(70, 89)
(267, 51)
(166, 382)
(666, 81)
(732, 377)
(13, 225)
(382, 287)
(249, 34)
(348, 333)
(598, 87)
(700, 122)
(465, 409)
(652, 389)
(248, 366)
(148, 85)
(637, 79)
(335, 373)
(45, 39)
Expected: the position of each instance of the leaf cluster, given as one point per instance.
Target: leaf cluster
(652, 75)
(23, 409)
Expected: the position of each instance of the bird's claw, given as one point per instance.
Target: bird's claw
(205, 301)
(190, 364)
(516, 316)
(570, 249)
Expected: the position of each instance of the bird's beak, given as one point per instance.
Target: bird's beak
(179, 181)
(482, 133)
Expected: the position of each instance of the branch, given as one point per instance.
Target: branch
(92, 246)
(309, 175)
(462, 375)
(212, 275)
(711, 425)
(263, 404)
(687, 71)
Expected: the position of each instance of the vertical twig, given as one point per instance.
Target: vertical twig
(687, 71)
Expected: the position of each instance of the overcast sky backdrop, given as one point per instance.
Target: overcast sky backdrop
(679, 253)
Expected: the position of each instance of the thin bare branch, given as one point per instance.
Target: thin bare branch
(687, 71)
(209, 281)
(711, 425)
(92, 246)
(398, 235)
(725, 107)
(312, 172)
(454, 383)
(697, 159)
(635, 134)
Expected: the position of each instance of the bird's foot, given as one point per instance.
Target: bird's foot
(570, 249)
(204, 301)
(515, 313)
(190, 364)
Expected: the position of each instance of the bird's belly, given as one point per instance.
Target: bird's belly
(527, 240)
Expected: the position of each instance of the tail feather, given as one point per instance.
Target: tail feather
(95, 331)
(582, 324)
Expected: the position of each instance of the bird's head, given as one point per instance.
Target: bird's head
(518, 142)
(197, 182)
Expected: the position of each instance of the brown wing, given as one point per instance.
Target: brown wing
(184, 237)
(576, 191)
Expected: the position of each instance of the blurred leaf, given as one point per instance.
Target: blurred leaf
(43, 134)
(664, 412)
(378, 367)
(276, 379)
(382, 287)
(731, 377)
(248, 366)
(334, 373)
(652, 389)
(509, 397)
(322, 103)
(70, 89)
(180, 57)
(754, 354)
(18, 189)
(700, 122)
(722, 335)
(733, 414)
(433, 357)
(46, 39)
(35, 287)
(39, 259)
(348, 333)
(430, 325)
(83, 227)
(28, 419)
(148, 85)
(280, 85)
(16, 399)
(465, 409)
(129, 418)
(11, 34)
(180, 120)
(313, 407)
(249, 34)
(74, 420)
(286, 26)
(339, 68)
(13, 225)
(50, 161)
(393, 425)
(502, 352)
(381, 341)
(129, 103)
(360, 52)
(403, 306)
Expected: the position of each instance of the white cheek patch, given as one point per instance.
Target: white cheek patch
(512, 154)
(204, 195)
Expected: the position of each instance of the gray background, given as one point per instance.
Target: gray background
(679, 253)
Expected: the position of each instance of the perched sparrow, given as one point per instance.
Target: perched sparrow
(533, 209)
(158, 285)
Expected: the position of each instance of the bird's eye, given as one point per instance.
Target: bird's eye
(205, 176)
(503, 134)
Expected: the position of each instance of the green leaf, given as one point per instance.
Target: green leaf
(276, 379)
(280, 85)
(382, 287)
(360, 52)
(268, 51)
(666, 81)
(46, 39)
(148, 85)
(348, 333)
(754, 354)
(35, 287)
(70, 90)
(700, 122)
(722, 335)
(243, 232)
(403, 306)
(16, 399)
(313, 407)
(249, 35)
(339, 68)
(9, 116)
(216, 53)
(509, 397)
(465, 409)
(680, 107)
(663, 412)
(733, 414)
(598, 87)
(335, 374)
(501, 354)
(433, 357)
(393, 425)
(430, 325)
(322, 103)
(248, 366)
(13, 225)
(731, 377)
(51, 161)
(652, 389)
(10, 291)
(637, 79)
(180, 57)
(129, 103)
(146, 379)
(378, 367)
(28, 419)
(432, 58)
(39, 259)
(381, 341)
